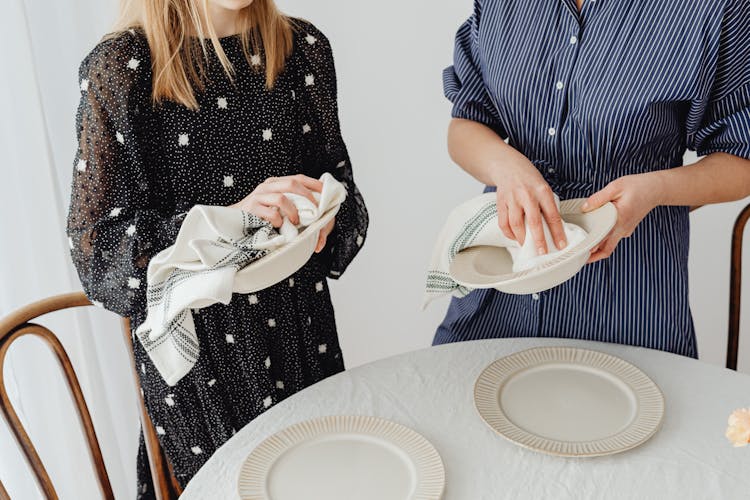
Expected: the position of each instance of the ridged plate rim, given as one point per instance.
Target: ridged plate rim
(649, 401)
(427, 462)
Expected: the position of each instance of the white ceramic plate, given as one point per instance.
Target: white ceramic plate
(279, 264)
(492, 267)
(570, 402)
(343, 458)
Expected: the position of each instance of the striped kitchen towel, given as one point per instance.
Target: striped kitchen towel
(474, 223)
(200, 269)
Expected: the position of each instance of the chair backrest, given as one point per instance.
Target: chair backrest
(3, 494)
(19, 324)
(735, 288)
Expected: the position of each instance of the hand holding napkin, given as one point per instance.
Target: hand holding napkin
(474, 223)
(200, 269)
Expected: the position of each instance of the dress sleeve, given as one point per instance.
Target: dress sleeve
(327, 151)
(463, 83)
(724, 110)
(115, 223)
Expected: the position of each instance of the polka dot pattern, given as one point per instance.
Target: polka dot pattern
(140, 168)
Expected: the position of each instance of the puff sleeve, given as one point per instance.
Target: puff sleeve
(326, 151)
(463, 83)
(116, 221)
(724, 107)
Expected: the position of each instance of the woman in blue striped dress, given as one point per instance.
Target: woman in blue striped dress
(601, 99)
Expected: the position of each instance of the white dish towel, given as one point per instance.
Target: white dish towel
(474, 223)
(199, 270)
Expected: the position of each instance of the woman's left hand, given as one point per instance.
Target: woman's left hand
(323, 235)
(634, 196)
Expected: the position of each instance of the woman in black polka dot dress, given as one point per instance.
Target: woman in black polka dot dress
(140, 167)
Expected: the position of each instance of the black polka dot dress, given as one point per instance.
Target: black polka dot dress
(140, 168)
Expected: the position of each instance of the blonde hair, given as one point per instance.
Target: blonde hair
(176, 31)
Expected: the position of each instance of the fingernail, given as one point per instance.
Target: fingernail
(585, 206)
(562, 244)
(541, 251)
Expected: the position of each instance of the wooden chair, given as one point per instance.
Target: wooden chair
(3, 494)
(162, 475)
(735, 288)
(21, 323)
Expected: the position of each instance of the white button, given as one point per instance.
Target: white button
(551, 131)
(535, 296)
(559, 86)
(551, 170)
(573, 40)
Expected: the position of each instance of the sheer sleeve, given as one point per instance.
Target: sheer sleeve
(327, 151)
(115, 223)
(722, 114)
(463, 83)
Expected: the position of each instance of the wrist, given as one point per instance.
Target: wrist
(659, 187)
(502, 169)
(495, 173)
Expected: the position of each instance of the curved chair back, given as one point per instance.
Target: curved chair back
(735, 288)
(21, 323)
(3, 494)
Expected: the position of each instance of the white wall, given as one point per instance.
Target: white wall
(389, 55)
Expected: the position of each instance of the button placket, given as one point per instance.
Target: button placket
(566, 65)
(537, 312)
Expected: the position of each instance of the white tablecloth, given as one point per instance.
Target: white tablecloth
(431, 392)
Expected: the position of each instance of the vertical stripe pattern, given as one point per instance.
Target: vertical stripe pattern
(614, 89)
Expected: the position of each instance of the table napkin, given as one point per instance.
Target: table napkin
(199, 270)
(474, 223)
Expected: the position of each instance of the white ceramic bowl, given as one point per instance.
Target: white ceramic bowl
(282, 263)
(492, 267)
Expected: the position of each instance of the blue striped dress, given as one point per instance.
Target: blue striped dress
(618, 88)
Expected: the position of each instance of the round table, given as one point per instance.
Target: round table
(431, 391)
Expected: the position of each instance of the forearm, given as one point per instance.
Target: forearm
(111, 254)
(352, 220)
(478, 150)
(716, 178)
(522, 192)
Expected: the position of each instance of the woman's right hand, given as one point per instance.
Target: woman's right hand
(522, 192)
(524, 195)
(268, 202)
